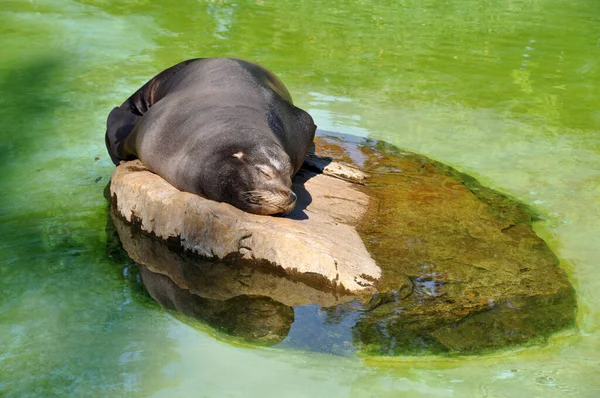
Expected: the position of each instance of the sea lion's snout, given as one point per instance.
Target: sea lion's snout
(268, 202)
(269, 188)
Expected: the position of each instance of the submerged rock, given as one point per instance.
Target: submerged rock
(480, 278)
(457, 267)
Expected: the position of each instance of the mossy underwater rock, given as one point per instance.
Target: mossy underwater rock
(458, 268)
(463, 271)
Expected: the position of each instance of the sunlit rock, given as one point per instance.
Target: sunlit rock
(317, 241)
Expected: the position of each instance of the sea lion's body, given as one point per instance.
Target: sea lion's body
(222, 128)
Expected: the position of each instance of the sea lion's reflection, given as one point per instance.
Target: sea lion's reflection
(254, 319)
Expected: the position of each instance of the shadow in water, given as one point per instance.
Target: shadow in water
(29, 99)
(28, 102)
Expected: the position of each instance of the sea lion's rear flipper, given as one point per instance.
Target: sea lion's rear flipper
(119, 124)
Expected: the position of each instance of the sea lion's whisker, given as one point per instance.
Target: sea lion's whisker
(265, 198)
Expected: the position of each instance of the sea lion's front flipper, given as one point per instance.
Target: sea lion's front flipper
(119, 124)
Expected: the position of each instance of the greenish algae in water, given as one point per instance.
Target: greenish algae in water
(505, 90)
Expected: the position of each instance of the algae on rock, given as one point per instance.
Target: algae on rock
(481, 279)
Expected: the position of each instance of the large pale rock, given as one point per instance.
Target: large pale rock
(317, 241)
(459, 267)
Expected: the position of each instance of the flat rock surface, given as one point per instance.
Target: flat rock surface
(317, 241)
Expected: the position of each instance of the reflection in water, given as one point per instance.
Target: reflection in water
(247, 301)
(223, 16)
(254, 319)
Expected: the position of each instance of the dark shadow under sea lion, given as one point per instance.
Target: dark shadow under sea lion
(223, 128)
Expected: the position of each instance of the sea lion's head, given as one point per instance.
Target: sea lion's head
(256, 179)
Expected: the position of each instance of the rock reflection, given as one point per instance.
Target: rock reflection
(247, 301)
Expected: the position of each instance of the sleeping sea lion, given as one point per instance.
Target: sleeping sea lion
(222, 128)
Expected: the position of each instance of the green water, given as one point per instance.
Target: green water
(506, 91)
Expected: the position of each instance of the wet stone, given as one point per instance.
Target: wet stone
(433, 263)
(481, 278)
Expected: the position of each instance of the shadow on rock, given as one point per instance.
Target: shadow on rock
(304, 198)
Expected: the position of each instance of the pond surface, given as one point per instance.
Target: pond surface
(506, 91)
